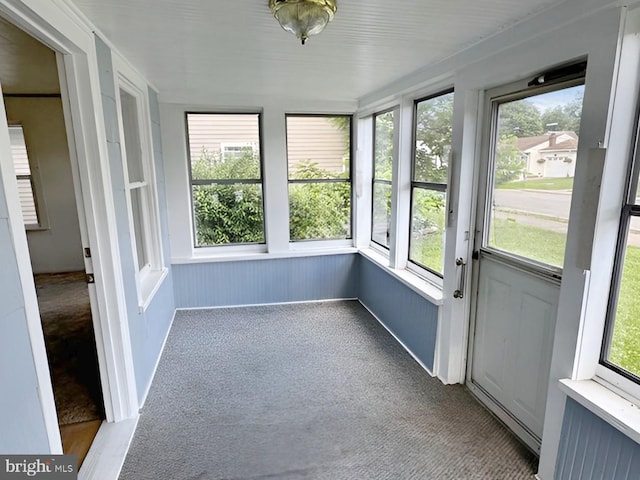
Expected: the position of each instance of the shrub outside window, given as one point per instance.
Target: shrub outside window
(430, 169)
(319, 170)
(226, 178)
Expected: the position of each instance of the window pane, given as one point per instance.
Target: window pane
(224, 146)
(228, 214)
(138, 215)
(132, 144)
(427, 228)
(624, 346)
(433, 139)
(318, 147)
(383, 146)
(319, 211)
(534, 164)
(381, 213)
(23, 173)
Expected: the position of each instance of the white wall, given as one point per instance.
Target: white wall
(57, 246)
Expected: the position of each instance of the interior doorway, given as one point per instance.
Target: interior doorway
(526, 184)
(49, 199)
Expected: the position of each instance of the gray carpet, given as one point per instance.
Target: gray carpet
(309, 391)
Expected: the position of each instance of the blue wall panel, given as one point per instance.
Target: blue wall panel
(22, 427)
(411, 317)
(266, 281)
(591, 449)
(147, 330)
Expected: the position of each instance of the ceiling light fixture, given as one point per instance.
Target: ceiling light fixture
(303, 17)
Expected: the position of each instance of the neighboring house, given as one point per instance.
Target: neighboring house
(224, 135)
(550, 155)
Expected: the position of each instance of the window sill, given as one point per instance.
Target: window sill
(606, 404)
(210, 257)
(149, 287)
(421, 286)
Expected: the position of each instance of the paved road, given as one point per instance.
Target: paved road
(541, 202)
(548, 209)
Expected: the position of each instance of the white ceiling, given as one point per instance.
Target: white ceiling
(203, 50)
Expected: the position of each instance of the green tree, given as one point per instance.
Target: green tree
(434, 118)
(520, 118)
(565, 117)
(509, 162)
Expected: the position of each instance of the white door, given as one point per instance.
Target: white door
(520, 241)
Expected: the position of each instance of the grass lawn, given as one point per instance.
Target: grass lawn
(548, 247)
(562, 183)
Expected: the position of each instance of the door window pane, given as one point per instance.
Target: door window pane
(534, 161)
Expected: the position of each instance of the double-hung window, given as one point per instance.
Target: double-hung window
(319, 165)
(384, 147)
(432, 147)
(140, 186)
(226, 178)
(621, 346)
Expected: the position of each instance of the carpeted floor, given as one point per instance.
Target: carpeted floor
(65, 312)
(308, 391)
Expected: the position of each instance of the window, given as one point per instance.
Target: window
(319, 164)
(226, 178)
(621, 346)
(534, 146)
(384, 144)
(432, 146)
(139, 175)
(26, 189)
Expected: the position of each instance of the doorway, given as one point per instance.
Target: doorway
(48, 195)
(524, 196)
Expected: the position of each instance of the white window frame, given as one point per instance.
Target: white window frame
(150, 276)
(382, 249)
(306, 244)
(436, 278)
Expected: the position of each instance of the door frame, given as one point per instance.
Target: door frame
(61, 27)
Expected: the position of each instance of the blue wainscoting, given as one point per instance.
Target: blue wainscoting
(591, 449)
(411, 317)
(252, 282)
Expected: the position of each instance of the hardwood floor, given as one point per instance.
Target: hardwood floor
(77, 438)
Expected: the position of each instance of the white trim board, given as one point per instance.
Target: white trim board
(108, 451)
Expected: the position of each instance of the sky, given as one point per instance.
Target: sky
(549, 100)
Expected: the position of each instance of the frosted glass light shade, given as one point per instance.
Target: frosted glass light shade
(303, 17)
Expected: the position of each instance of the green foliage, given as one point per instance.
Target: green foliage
(520, 118)
(319, 210)
(427, 227)
(567, 117)
(509, 162)
(434, 118)
(552, 183)
(227, 213)
(383, 147)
